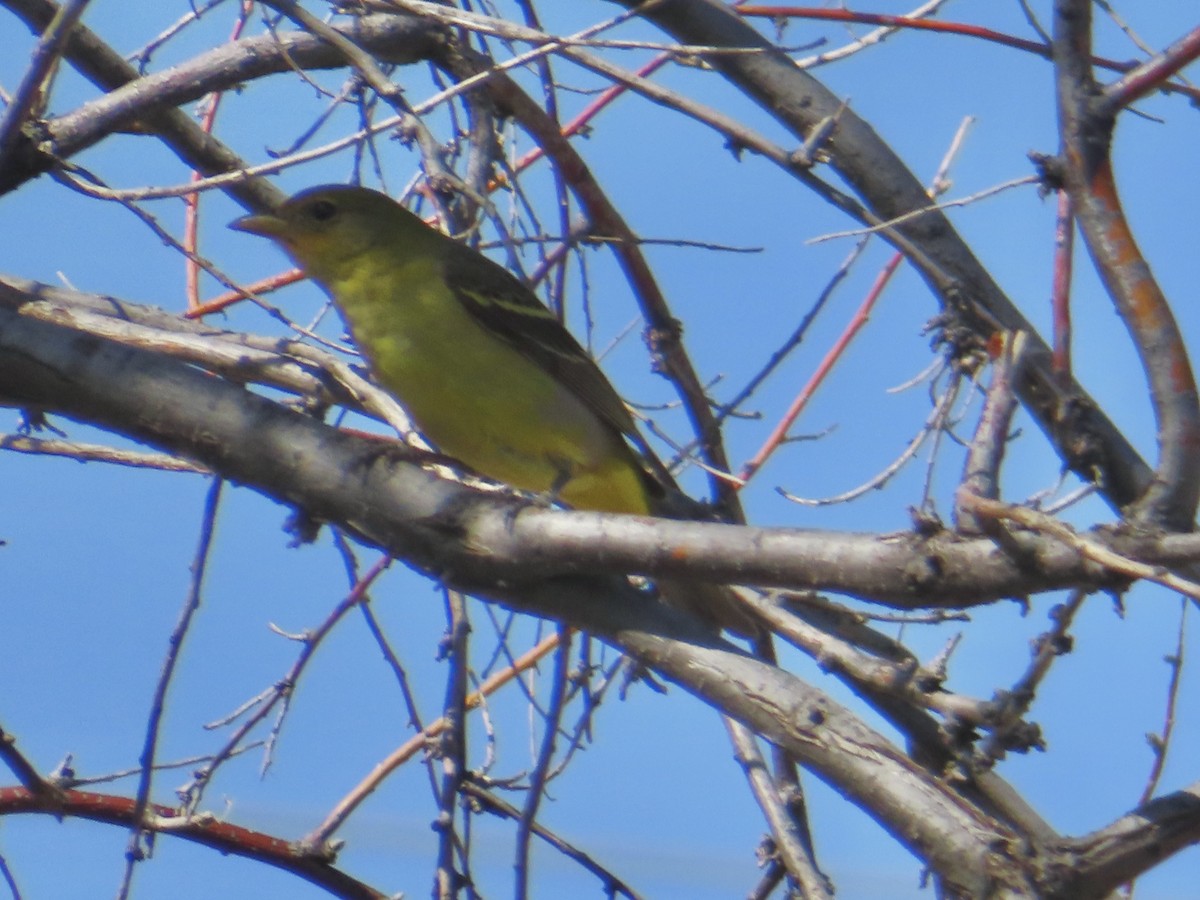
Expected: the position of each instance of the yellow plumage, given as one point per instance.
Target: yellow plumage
(487, 372)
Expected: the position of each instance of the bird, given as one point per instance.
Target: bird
(489, 374)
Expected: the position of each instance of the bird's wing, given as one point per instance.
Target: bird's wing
(503, 305)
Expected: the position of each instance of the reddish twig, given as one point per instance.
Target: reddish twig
(205, 830)
(262, 286)
(938, 185)
(860, 319)
(1157, 82)
(589, 112)
(191, 227)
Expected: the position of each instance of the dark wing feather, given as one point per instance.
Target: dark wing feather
(503, 305)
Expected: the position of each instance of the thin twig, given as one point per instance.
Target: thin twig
(20, 443)
(451, 745)
(940, 206)
(489, 801)
(135, 850)
(541, 769)
(1160, 743)
(1008, 729)
(278, 693)
(30, 96)
(416, 744)
(21, 767)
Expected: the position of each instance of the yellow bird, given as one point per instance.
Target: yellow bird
(487, 372)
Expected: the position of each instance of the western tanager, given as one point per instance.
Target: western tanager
(487, 372)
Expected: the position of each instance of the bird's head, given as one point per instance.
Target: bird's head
(325, 227)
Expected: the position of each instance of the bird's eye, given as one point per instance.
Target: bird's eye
(323, 210)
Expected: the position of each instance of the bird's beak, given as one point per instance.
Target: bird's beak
(264, 224)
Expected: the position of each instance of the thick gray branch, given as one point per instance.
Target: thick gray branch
(904, 570)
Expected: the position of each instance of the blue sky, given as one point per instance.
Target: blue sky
(96, 562)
